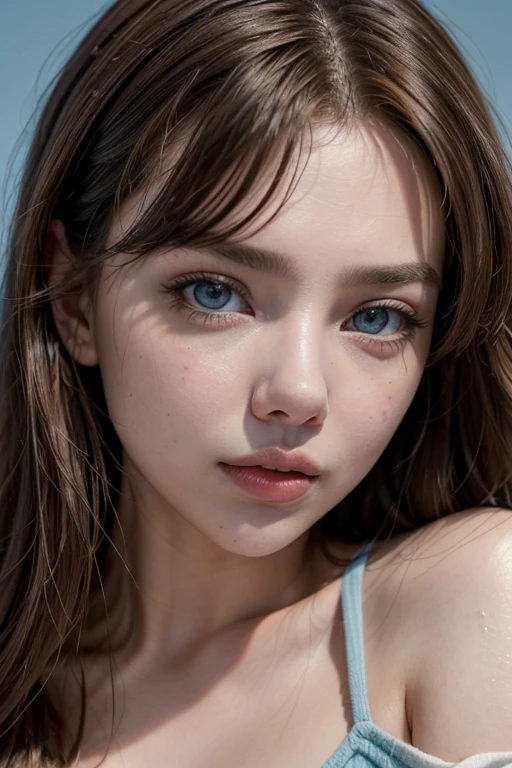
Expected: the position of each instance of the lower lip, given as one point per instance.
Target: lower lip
(269, 484)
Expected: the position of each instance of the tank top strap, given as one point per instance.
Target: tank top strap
(352, 616)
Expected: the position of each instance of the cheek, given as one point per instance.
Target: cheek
(390, 401)
(370, 411)
(161, 391)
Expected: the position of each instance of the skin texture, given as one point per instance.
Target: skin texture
(283, 368)
(445, 607)
(227, 584)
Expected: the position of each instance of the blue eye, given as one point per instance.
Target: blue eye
(213, 295)
(377, 320)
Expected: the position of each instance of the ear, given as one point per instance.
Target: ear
(73, 312)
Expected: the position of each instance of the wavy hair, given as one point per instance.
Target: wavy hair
(227, 86)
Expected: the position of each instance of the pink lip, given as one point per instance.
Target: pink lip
(276, 457)
(294, 476)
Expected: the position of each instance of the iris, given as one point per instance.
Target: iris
(376, 319)
(212, 295)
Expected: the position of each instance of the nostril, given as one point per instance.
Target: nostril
(289, 402)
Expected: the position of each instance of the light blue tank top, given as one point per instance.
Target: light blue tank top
(367, 746)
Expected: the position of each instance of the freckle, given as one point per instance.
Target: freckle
(390, 398)
(390, 382)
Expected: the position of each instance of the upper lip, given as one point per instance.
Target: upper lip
(276, 457)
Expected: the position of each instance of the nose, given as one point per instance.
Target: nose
(292, 388)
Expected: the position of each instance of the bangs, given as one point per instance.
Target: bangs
(206, 196)
(207, 136)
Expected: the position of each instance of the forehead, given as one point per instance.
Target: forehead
(367, 194)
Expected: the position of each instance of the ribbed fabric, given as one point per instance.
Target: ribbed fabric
(367, 746)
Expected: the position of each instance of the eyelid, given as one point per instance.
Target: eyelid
(183, 281)
(397, 305)
(410, 318)
(176, 288)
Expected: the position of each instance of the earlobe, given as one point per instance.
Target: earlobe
(72, 312)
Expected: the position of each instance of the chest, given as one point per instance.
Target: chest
(301, 726)
(268, 709)
(285, 703)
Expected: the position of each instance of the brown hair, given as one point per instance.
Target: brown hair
(236, 82)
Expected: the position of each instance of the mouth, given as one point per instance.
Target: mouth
(283, 478)
(278, 460)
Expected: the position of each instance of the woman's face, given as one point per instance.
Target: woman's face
(311, 340)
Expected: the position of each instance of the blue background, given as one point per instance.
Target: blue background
(36, 37)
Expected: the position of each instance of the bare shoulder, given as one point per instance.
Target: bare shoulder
(452, 583)
(449, 564)
(474, 543)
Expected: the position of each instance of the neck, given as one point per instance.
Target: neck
(170, 590)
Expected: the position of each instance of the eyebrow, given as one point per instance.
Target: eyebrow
(258, 258)
(396, 274)
(273, 263)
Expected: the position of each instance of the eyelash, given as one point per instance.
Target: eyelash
(178, 302)
(411, 320)
(220, 318)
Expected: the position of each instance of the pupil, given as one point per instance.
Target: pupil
(371, 320)
(212, 295)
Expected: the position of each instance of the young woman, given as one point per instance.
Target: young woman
(256, 350)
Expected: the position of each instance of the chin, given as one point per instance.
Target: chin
(256, 542)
